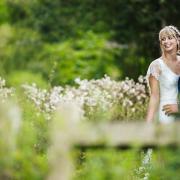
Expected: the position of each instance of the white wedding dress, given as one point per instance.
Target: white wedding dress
(168, 83)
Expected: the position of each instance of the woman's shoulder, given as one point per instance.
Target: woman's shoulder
(156, 62)
(155, 68)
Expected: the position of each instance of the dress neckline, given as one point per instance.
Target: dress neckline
(169, 67)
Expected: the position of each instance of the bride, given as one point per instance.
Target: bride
(162, 77)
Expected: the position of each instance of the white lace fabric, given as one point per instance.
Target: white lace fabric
(154, 70)
(168, 84)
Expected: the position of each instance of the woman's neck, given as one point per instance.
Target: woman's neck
(170, 56)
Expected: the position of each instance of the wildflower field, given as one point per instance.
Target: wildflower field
(32, 146)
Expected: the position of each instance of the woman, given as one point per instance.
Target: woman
(163, 74)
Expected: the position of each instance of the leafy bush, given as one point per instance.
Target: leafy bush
(106, 164)
(17, 78)
(166, 164)
(4, 15)
(18, 48)
(24, 139)
(90, 56)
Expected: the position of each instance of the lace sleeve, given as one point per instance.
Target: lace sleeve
(153, 70)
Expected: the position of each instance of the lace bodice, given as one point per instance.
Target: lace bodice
(168, 84)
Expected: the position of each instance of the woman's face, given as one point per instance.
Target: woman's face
(168, 43)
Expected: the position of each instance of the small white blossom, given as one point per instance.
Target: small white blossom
(4, 91)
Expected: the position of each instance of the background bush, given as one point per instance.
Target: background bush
(31, 26)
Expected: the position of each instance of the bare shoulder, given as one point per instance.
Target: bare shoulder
(156, 62)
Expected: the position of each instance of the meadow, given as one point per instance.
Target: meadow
(32, 145)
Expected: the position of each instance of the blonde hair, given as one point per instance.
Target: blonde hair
(171, 31)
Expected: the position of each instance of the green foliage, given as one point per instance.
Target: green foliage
(132, 23)
(23, 153)
(4, 15)
(18, 48)
(107, 164)
(24, 133)
(135, 113)
(127, 21)
(56, 20)
(114, 164)
(166, 164)
(27, 160)
(17, 78)
(90, 56)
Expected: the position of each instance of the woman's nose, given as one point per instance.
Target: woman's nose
(166, 39)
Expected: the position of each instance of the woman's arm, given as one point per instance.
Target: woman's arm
(154, 98)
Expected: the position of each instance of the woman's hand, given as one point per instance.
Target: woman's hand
(170, 109)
